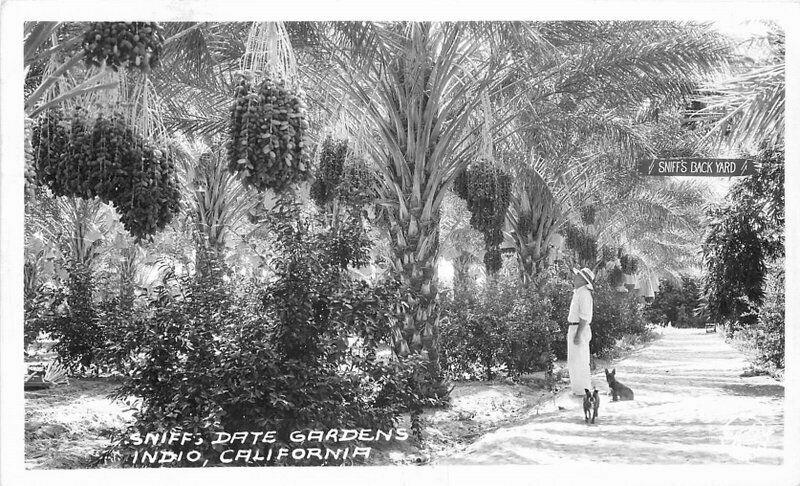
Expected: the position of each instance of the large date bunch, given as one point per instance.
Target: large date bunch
(332, 157)
(487, 191)
(268, 146)
(87, 156)
(136, 44)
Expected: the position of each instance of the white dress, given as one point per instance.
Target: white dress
(578, 355)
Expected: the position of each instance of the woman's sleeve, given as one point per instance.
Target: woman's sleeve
(585, 306)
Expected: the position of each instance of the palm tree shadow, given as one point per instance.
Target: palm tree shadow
(774, 391)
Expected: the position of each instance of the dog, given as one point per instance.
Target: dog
(591, 402)
(618, 390)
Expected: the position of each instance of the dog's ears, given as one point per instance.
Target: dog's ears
(606, 369)
(613, 371)
(587, 391)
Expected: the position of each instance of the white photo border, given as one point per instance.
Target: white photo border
(14, 12)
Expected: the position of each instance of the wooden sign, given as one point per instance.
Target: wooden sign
(696, 167)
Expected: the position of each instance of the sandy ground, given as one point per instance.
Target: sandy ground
(692, 407)
(476, 408)
(66, 425)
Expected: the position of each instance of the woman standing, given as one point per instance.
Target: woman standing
(580, 331)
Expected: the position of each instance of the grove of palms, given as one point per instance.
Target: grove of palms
(557, 114)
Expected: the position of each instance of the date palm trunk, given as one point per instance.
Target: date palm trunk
(415, 249)
(418, 104)
(533, 220)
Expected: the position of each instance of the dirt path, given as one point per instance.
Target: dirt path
(692, 407)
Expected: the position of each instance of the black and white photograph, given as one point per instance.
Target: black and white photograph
(396, 245)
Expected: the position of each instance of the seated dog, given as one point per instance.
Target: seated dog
(618, 390)
(591, 402)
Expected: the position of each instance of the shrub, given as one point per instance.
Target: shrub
(745, 233)
(89, 334)
(216, 360)
(529, 334)
(676, 303)
(615, 314)
(35, 307)
(505, 325)
(71, 318)
(469, 336)
(559, 291)
(769, 331)
(122, 331)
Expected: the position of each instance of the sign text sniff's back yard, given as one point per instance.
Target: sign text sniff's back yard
(690, 166)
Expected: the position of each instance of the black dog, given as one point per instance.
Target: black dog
(618, 390)
(591, 402)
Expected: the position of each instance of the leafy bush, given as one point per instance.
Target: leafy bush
(212, 359)
(505, 325)
(676, 303)
(559, 290)
(530, 334)
(767, 335)
(743, 236)
(35, 307)
(71, 318)
(469, 337)
(122, 331)
(770, 331)
(89, 335)
(614, 315)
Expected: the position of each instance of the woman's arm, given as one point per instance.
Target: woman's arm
(584, 315)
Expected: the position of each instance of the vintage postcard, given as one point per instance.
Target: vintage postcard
(392, 245)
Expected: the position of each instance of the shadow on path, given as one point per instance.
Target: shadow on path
(691, 407)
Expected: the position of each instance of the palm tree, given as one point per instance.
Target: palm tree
(218, 206)
(658, 222)
(412, 92)
(418, 87)
(589, 116)
(746, 108)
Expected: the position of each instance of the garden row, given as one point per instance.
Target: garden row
(207, 356)
(517, 329)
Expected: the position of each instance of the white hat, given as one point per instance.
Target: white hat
(587, 275)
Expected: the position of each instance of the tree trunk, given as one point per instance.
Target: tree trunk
(127, 273)
(536, 218)
(533, 247)
(461, 278)
(209, 259)
(415, 246)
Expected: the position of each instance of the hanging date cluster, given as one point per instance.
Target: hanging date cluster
(127, 44)
(268, 146)
(581, 241)
(358, 182)
(333, 153)
(487, 191)
(344, 177)
(88, 156)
